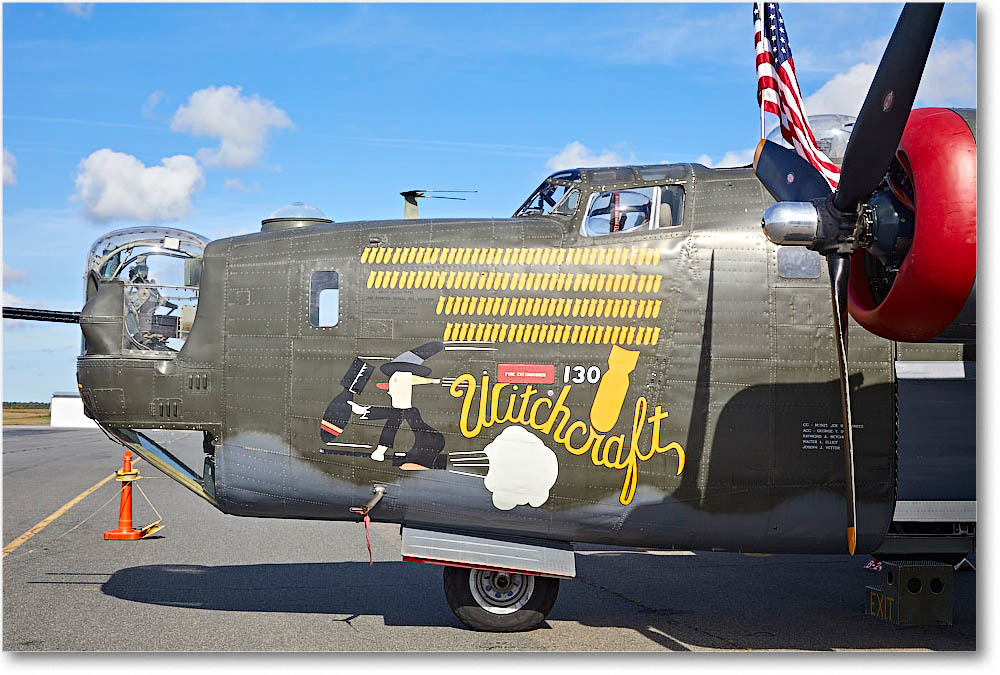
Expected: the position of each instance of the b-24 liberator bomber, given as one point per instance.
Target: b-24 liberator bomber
(627, 360)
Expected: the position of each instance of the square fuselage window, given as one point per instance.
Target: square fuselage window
(797, 262)
(324, 299)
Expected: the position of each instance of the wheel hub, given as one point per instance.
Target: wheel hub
(501, 592)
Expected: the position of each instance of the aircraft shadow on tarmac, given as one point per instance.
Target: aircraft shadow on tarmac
(749, 604)
(403, 593)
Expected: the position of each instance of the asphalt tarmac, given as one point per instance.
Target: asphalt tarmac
(209, 581)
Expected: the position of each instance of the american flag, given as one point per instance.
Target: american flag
(778, 88)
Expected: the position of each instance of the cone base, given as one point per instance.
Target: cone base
(123, 535)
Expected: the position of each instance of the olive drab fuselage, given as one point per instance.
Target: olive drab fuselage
(668, 386)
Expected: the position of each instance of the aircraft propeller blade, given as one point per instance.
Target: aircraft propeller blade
(887, 106)
(870, 150)
(786, 175)
(839, 265)
(833, 226)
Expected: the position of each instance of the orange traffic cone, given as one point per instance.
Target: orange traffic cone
(125, 531)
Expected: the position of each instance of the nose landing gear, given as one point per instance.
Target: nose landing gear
(491, 600)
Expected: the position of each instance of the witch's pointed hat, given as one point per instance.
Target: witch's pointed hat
(413, 360)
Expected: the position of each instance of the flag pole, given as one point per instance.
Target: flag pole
(760, 9)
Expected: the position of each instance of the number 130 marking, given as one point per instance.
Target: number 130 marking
(579, 374)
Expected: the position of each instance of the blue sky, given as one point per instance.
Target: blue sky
(343, 106)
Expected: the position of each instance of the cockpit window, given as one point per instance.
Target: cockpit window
(550, 193)
(618, 211)
(567, 205)
(671, 206)
(663, 172)
(620, 174)
(572, 174)
(543, 200)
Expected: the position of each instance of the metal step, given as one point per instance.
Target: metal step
(529, 556)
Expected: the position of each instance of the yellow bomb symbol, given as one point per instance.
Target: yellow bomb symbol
(614, 386)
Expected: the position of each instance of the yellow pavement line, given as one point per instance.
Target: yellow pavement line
(60, 511)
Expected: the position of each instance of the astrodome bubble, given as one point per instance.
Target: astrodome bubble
(298, 210)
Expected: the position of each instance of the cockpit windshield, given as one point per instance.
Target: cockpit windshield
(161, 271)
(557, 194)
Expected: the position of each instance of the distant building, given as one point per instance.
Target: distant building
(66, 410)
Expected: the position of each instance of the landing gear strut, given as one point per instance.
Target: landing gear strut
(501, 602)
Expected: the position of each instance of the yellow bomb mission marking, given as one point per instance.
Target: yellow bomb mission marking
(495, 406)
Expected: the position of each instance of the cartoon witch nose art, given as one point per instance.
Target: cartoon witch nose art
(405, 372)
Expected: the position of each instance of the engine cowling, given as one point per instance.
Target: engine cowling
(932, 295)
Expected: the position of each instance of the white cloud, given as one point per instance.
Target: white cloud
(10, 300)
(12, 275)
(731, 158)
(113, 185)
(80, 9)
(241, 123)
(151, 102)
(576, 154)
(949, 79)
(844, 93)
(950, 75)
(9, 167)
(234, 184)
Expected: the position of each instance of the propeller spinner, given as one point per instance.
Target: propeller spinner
(809, 214)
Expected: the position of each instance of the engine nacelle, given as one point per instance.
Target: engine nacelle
(933, 293)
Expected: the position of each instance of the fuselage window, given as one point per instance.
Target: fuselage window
(619, 211)
(324, 299)
(671, 206)
(796, 262)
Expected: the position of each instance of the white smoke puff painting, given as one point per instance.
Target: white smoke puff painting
(522, 470)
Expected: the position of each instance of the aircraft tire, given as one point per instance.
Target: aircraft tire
(518, 602)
